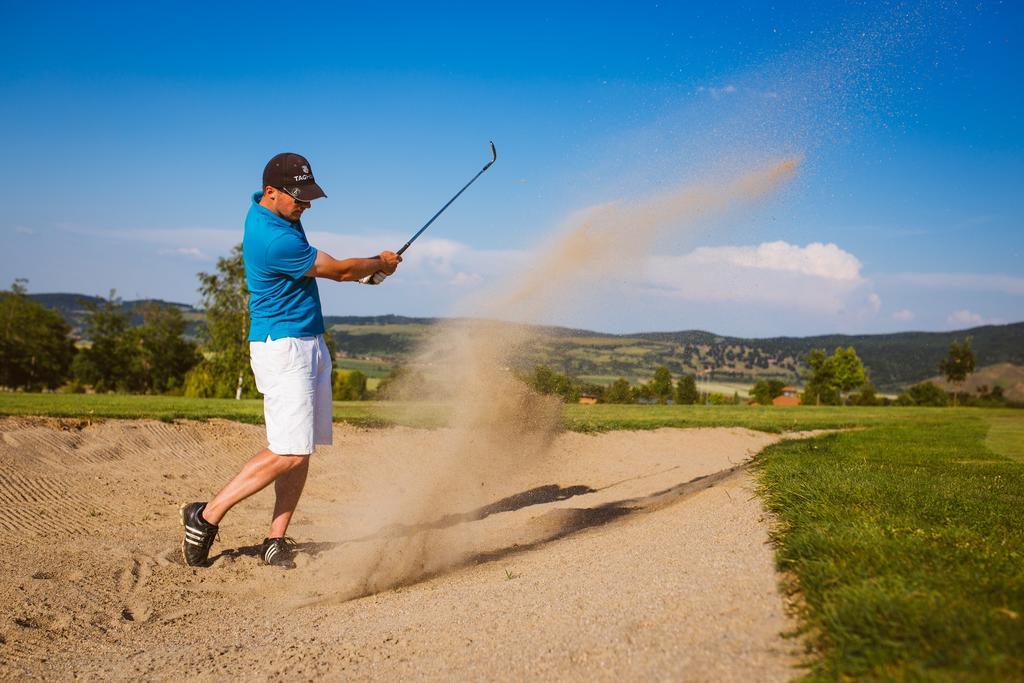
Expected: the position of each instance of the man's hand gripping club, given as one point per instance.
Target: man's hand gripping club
(389, 262)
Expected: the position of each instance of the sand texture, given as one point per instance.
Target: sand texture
(619, 556)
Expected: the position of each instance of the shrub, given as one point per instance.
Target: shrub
(349, 385)
(923, 394)
(867, 396)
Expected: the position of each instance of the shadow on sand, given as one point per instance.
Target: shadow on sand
(551, 526)
(549, 493)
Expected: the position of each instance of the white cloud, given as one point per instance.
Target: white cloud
(903, 315)
(821, 278)
(972, 282)
(826, 261)
(465, 279)
(966, 318)
(22, 230)
(190, 252)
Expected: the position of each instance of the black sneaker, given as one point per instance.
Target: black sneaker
(199, 535)
(278, 552)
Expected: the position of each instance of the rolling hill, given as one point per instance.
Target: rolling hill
(893, 360)
(1006, 375)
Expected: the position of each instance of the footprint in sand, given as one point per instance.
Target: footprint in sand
(133, 579)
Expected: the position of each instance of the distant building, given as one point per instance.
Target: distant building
(588, 400)
(790, 397)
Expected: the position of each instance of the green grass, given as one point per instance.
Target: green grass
(726, 388)
(1006, 436)
(605, 417)
(597, 418)
(167, 408)
(370, 368)
(906, 543)
(598, 379)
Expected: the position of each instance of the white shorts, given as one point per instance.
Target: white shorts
(294, 376)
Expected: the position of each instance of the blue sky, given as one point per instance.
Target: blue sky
(136, 134)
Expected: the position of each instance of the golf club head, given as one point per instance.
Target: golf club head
(494, 157)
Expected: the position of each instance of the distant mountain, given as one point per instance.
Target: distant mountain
(893, 360)
(74, 309)
(1009, 377)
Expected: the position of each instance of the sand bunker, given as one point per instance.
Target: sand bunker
(637, 554)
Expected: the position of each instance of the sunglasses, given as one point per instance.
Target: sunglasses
(293, 198)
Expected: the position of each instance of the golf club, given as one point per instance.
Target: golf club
(379, 276)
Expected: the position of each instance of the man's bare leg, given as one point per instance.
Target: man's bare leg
(263, 468)
(288, 488)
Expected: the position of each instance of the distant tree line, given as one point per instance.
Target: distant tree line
(841, 379)
(152, 358)
(661, 389)
(37, 352)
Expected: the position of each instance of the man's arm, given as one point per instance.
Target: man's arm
(350, 269)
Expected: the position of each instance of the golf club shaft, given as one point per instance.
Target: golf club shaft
(419, 232)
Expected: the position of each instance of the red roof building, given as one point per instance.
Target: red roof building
(790, 397)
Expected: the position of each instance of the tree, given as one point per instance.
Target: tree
(36, 350)
(643, 393)
(332, 345)
(832, 377)
(544, 380)
(958, 364)
(225, 297)
(764, 391)
(848, 370)
(686, 391)
(107, 362)
(620, 391)
(162, 356)
(820, 387)
(661, 385)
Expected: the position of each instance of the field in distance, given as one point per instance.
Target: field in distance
(601, 417)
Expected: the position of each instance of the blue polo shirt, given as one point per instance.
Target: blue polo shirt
(282, 301)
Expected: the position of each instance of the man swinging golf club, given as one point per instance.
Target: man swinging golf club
(288, 355)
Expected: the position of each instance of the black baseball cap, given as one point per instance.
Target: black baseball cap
(291, 172)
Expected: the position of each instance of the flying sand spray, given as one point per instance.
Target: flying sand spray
(498, 426)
